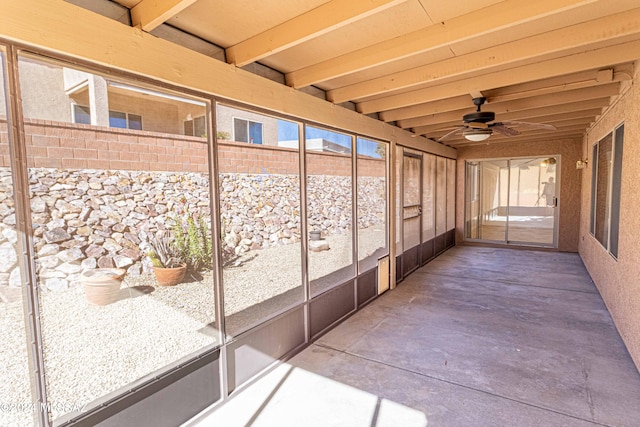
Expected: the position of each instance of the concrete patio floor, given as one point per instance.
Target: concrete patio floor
(478, 337)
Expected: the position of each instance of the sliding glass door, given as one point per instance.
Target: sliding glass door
(512, 201)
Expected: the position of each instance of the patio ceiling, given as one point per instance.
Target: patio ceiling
(419, 63)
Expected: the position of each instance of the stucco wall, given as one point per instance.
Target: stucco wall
(618, 280)
(570, 150)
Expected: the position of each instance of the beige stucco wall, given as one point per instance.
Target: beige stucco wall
(569, 151)
(618, 280)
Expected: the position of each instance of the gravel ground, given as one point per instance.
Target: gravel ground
(91, 351)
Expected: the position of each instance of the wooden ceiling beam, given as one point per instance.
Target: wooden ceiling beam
(316, 22)
(150, 14)
(543, 87)
(591, 59)
(436, 107)
(597, 103)
(539, 87)
(499, 16)
(581, 98)
(580, 35)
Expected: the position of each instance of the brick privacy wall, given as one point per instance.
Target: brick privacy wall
(75, 146)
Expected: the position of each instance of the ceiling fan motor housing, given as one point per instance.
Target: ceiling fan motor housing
(479, 116)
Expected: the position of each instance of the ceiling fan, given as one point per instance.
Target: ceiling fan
(477, 128)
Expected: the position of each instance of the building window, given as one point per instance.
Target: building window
(606, 177)
(125, 120)
(195, 127)
(247, 131)
(81, 115)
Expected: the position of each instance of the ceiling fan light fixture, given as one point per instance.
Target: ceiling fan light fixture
(477, 135)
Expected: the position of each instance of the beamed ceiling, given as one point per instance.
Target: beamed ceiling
(418, 64)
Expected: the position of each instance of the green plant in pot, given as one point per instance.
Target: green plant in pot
(169, 265)
(193, 242)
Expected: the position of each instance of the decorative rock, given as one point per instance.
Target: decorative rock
(95, 251)
(122, 261)
(84, 231)
(10, 220)
(318, 245)
(8, 257)
(70, 268)
(71, 255)
(111, 245)
(15, 280)
(56, 284)
(105, 262)
(56, 223)
(10, 234)
(49, 262)
(38, 205)
(89, 263)
(56, 235)
(133, 253)
(52, 274)
(76, 242)
(135, 270)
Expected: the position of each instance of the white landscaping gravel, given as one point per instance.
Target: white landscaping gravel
(91, 351)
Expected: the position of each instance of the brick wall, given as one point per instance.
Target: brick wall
(73, 146)
(76, 146)
(240, 157)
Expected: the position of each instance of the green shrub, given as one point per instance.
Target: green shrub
(193, 242)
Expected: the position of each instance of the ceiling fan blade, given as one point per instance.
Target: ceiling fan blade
(450, 135)
(507, 131)
(529, 125)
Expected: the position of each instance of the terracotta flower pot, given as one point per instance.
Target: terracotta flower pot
(102, 285)
(170, 276)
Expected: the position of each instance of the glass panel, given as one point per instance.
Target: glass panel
(532, 200)
(199, 127)
(399, 198)
(117, 120)
(260, 220)
(255, 133)
(15, 386)
(428, 197)
(412, 204)
(240, 130)
(411, 181)
(451, 194)
(615, 190)
(135, 122)
(109, 207)
(371, 166)
(82, 115)
(472, 201)
(493, 193)
(594, 182)
(602, 190)
(441, 196)
(329, 208)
